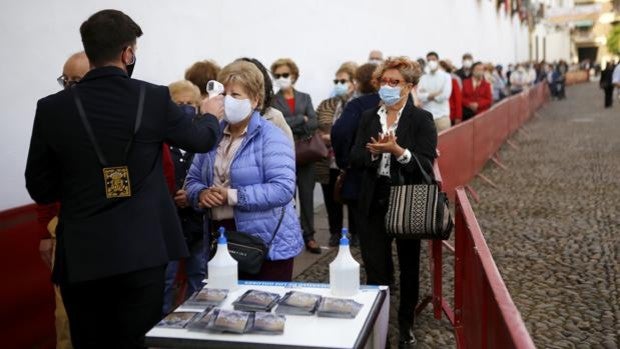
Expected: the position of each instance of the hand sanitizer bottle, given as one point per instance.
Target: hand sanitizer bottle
(344, 271)
(222, 267)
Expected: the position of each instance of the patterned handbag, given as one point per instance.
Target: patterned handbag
(418, 211)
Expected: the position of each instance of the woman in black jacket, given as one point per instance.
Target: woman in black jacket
(388, 138)
(300, 116)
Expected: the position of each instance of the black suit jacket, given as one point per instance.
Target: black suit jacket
(295, 118)
(416, 131)
(606, 81)
(100, 237)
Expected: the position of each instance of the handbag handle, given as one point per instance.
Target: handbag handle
(277, 227)
(427, 177)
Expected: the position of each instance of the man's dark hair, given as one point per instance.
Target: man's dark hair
(268, 85)
(475, 65)
(106, 33)
(468, 56)
(432, 53)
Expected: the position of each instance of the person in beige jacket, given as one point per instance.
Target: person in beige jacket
(268, 112)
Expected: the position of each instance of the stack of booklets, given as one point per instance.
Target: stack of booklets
(234, 321)
(298, 303)
(180, 319)
(207, 296)
(339, 308)
(254, 300)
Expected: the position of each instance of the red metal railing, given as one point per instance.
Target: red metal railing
(484, 314)
(26, 295)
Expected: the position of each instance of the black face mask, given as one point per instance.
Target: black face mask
(130, 67)
(188, 110)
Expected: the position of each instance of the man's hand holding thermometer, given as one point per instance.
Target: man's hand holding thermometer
(214, 104)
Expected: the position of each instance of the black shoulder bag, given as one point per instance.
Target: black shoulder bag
(418, 211)
(249, 251)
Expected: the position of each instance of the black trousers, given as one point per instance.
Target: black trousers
(114, 312)
(305, 187)
(376, 250)
(609, 97)
(334, 209)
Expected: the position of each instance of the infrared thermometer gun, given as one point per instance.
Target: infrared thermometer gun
(214, 88)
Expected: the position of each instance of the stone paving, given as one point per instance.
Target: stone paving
(552, 226)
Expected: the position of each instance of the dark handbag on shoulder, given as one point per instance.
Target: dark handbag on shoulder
(418, 211)
(310, 149)
(249, 251)
(338, 186)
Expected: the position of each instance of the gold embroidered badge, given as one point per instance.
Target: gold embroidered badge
(116, 182)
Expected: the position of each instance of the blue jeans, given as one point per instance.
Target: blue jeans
(195, 268)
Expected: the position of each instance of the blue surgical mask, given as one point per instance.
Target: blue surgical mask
(390, 95)
(188, 110)
(341, 89)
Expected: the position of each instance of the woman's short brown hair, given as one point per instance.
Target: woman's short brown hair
(202, 72)
(248, 76)
(363, 76)
(183, 86)
(290, 64)
(409, 69)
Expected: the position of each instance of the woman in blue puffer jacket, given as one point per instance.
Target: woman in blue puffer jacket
(247, 183)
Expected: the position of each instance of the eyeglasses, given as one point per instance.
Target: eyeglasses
(341, 81)
(391, 82)
(285, 75)
(64, 81)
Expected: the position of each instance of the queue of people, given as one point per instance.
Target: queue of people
(147, 192)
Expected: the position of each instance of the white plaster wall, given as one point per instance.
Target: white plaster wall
(36, 37)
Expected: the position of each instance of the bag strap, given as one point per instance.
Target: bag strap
(89, 130)
(427, 177)
(277, 227)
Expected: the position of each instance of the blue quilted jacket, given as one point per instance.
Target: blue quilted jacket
(263, 172)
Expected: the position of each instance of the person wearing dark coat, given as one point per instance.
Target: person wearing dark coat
(97, 149)
(300, 115)
(606, 84)
(344, 130)
(388, 137)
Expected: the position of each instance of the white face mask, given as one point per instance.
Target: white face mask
(433, 65)
(376, 61)
(467, 63)
(284, 82)
(236, 110)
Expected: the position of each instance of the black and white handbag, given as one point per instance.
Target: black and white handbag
(418, 211)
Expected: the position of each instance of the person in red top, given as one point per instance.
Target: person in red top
(456, 110)
(477, 96)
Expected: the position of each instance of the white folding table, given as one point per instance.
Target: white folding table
(367, 330)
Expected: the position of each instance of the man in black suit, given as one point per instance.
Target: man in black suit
(97, 148)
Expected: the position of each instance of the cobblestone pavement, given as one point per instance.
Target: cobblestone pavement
(552, 226)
